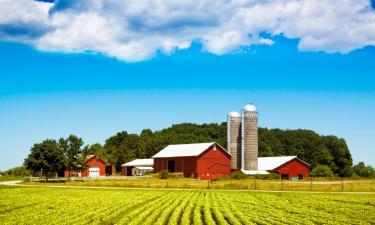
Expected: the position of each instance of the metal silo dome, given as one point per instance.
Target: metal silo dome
(249, 108)
(234, 114)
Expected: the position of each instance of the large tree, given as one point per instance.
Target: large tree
(96, 149)
(73, 151)
(45, 157)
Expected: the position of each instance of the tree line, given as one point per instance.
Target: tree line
(315, 149)
(51, 156)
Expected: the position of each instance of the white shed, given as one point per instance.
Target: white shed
(137, 167)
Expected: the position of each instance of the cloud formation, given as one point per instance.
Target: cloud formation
(138, 30)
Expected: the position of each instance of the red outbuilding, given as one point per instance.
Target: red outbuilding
(202, 160)
(289, 167)
(94, 167)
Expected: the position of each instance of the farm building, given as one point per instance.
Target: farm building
(137, 167)
(93, 167)
(202, 160)
(242, 134)
(289, 167)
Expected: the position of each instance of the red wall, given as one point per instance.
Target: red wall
(210, 164)
(293, 168)
(94, 162)
(186, 165)
(123, 170)
(213, 163)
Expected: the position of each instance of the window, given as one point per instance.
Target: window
(171, 166)
(285, 176)
(300, 176)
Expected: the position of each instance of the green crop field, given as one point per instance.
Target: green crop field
(33, 205)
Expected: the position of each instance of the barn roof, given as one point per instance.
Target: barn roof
(271, 163)
(140, 162)
(184, 150)
(89, 157)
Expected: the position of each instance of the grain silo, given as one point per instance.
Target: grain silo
(234, 138)
(249, 133)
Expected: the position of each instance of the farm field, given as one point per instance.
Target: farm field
(33, 205)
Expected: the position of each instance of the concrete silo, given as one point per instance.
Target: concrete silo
(234, 138)
(249, 134)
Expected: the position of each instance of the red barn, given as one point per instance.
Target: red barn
(202, 160)
(94, 167)
(289, 167)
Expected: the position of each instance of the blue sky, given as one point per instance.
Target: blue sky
(46, 95)
(61, 73)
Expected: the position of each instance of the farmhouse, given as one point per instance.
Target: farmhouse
(137, 167)
(289, 167)
(202, 160)
(93, 167)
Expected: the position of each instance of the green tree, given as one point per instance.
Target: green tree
(96, 149)
(342, 158)
(364, 171)
(17, 171)
(73, 151)
(45, 157)
(321, 171)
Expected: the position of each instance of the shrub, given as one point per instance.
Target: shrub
(321, 171)
(272, 176)
(164, 174)
(238, 175)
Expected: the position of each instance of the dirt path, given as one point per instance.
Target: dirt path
(10, 183)
(16, 183)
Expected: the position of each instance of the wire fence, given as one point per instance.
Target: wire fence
(229, 184)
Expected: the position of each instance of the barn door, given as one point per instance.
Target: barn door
(94, 172)
(171, 166)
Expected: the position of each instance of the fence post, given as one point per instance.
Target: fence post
(342, 184)
(255, 184)
(311, 184)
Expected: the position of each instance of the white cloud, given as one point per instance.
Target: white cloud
(136, 30)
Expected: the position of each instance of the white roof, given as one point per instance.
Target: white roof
(144, 167)
(140, 162)
(89, 157)
(183, 150)
(254, 172)
(270, 163)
